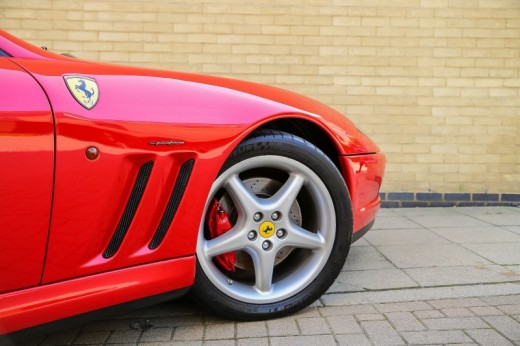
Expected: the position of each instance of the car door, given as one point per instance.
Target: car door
(26, 177)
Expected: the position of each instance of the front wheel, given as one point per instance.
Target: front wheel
(289, 228)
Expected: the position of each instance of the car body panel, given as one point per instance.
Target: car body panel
(26, 175)
(42, 304)
(364, 176)
(141, 116)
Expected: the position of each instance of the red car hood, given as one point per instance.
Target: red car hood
(340, 124)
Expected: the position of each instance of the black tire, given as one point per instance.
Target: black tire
(265, 151)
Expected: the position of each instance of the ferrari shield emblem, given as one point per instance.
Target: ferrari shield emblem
(84, 89)
(267, 229)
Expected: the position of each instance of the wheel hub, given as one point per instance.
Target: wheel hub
(264, 188)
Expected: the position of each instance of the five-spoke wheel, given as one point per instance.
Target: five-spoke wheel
(290, 229)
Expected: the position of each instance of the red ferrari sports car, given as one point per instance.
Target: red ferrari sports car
(124, 185)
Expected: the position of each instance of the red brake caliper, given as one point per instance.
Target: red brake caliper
(218, 224)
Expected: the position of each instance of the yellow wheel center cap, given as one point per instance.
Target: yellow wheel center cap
(267, 229)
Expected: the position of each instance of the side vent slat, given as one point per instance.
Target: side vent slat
(131, 207)
(173, 204)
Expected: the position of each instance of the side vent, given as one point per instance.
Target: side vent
(130, 209)
(173, 204)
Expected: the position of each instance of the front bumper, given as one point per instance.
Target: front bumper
(364, 176)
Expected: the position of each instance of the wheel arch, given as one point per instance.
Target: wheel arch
(310, 132)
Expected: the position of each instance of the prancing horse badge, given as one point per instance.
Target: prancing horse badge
(84, 89)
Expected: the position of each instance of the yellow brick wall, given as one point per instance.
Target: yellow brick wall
(434, 82)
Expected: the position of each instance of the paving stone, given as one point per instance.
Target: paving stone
(321, 340)
(157, 334)
(457, 312)
(109, 325)
(436, 337)
(313, 326)
(58, 339)
(388, 212)
(253, 342)
(186, 343)
(282, 327)
(219, 331)
(344, 324)
(370, 317)
(219, 342)
(499, 219)
(308, 312)
(515, 229)
(440, 255)
(371, 280)
(428, 314)
(411, 236)
(381, 333)
(86, 338)
(402, 306)
(404, 321)
(316, 304)
(353, 340)
(459, 275)
(393, 222)
(450, 323)
(360, 242)
(434, 221)
(186, 333)
(169, 343)
(484, 235)
(416, 294)
(178, 321)
(486, 311)
(506, 325)
(124, 337)
(366, 258)
(347, 310)
(251, 329)
(456, 303)
(501, 210)
(502, 300)
(499, 253)
(488, 337)
(512, 272)
(511, 309)
(427, 211)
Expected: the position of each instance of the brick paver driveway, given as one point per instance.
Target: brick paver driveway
(421, 276)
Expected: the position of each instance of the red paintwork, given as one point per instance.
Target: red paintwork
(26, 169)
(364, 175)
(136, 106)
(64, 299)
